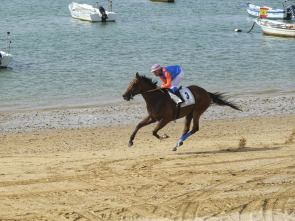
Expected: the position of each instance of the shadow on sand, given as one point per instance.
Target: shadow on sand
(238, 150)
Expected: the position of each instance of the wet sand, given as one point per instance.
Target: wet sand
(54, 167)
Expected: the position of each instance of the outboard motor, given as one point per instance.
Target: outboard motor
(290, 11)
(103, 13)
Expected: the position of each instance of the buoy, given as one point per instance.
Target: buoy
(238, 30)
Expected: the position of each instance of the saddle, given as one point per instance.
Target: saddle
(186, 99)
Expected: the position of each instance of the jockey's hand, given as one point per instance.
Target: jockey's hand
(159, 88)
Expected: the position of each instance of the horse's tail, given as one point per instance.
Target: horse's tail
(218, 98)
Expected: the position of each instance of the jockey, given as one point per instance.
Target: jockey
(171, 77)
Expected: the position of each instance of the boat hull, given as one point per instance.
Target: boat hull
(254, 10)
(276, 28)
(5, 59)
(88, 13)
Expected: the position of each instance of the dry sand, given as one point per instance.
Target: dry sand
(91, 173)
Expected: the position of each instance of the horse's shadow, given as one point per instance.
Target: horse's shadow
(240, 150)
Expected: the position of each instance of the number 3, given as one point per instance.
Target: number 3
(187, 95)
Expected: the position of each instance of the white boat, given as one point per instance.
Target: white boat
(6, 58)
(276, 28)
(287, 13)
(89, 13)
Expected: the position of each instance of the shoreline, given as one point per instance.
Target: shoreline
(272, 93)
(131, 113)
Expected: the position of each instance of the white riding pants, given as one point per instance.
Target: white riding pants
(177, 79)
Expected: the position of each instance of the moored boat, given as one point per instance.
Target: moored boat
(286, 13)
(89, 13)
(276, 28)
(6, 58)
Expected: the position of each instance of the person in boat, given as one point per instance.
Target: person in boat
(171, 77)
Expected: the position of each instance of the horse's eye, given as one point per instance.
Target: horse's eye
(134, 85)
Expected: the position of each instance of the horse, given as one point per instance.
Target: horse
(163, 109)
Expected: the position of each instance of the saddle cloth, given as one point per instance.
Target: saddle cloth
(187, 96)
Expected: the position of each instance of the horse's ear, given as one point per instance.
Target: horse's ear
(137, 75)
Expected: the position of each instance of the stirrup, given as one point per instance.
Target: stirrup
(174, 89)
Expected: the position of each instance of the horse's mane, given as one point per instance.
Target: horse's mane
(148, 80)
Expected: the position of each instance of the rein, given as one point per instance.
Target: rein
(135, 81)
(152, 90)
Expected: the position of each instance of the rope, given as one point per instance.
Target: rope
(251, 27)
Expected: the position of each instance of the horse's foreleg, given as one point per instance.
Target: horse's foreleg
(146, 121)
(162, 123)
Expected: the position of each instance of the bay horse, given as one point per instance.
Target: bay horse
(163, 109)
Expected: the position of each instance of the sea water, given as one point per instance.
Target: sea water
(63, 62)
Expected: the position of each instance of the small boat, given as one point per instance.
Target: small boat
(89, 13)
(286, 13)
(6, 58)
(276, 28)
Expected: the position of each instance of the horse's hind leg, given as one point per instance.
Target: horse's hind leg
(186, 134)
(201, 106)
(187, 123)
(196, 120)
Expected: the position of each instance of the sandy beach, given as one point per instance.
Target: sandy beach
(238, 167)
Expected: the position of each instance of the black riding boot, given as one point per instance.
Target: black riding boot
(177, 93)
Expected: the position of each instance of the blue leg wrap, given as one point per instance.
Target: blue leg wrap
(183, 137)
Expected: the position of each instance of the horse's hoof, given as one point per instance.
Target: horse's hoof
(179, 143)
(165, 136)
(130, 144)
(174, 149)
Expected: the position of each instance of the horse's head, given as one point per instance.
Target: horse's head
(138, 85)
(133, 88)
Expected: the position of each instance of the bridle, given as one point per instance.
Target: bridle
(135, 82)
